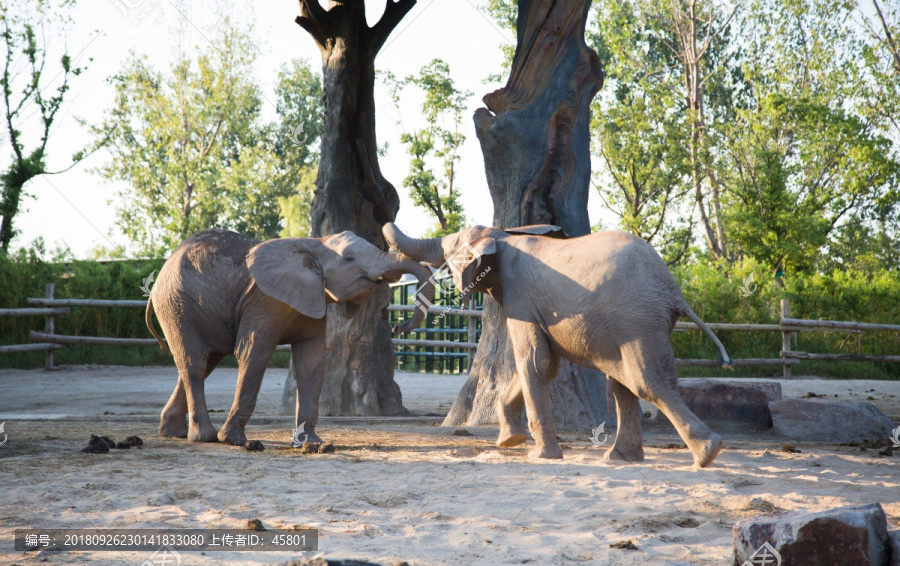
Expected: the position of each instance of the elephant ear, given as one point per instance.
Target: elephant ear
(548, 230)
(470, 261)
(286, 270)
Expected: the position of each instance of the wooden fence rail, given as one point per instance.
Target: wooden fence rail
(50, 307)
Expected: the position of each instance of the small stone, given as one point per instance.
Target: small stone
(790, 449)
(462, 432)
(254, 446)
(624, 545)
(255, 525)
(134, 441)
(122, 445)
(326, 448)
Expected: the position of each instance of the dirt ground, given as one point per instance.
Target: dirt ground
(404, 489)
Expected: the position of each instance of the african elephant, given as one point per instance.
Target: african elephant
(604, 301)
(221, 293)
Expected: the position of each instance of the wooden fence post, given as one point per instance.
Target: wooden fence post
(49, 327)
(785, 336)
(471, 331)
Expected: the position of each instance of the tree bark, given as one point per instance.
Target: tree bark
(351, 194)
(535, 136)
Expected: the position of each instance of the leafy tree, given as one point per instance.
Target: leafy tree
(438, 140)
(294, 209)
(764, 118)
(27, 29)
(192, 147)
(805, 154)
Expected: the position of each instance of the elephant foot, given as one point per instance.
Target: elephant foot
(173, 428)
(706, 451)
(232, 435)
(546, 451)
(624, 454)
(511, 436)
(202, 434)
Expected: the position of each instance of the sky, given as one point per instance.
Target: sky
(76, 209)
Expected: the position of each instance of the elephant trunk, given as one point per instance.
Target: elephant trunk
(424, 294)
(420, 249)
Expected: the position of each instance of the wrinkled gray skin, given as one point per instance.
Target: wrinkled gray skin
(222, 293)
(604, 301)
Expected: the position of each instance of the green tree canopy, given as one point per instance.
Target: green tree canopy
(438, 141)
(758, 122)
(27, 28)
(192, 147)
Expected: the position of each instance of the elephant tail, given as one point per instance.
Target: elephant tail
(724, 358)
(149, 320)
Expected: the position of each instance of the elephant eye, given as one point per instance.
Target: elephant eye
(349, 259)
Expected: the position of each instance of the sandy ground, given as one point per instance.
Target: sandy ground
(404, 489)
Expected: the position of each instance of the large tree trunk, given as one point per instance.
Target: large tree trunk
(535, 136)
(352, 194)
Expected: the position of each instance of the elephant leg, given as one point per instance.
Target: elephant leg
(535, 363)
(310, 360)
(704, 444)
(653, 377)
(628, 445)
(253, 354)
(192, 372)
(173, 419)
(509, 413)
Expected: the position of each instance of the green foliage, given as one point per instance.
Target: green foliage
(294, 209)
(794, 135)
(25, 25)
(504, 13)
(437, 141)
(26, 273)
(194, 151)
(717, 293)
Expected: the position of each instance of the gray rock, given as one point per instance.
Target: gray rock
(733, 401)
(894, 539)
(772, 389)
(847, 421)
(847, 536)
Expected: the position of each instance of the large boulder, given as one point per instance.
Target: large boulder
(847, 536)
(894, 537)
(735, 401)
(846, 421)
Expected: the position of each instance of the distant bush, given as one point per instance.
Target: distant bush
(717, 297)
(714, 294)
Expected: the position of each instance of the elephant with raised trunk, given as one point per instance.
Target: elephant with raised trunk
(604, 301)
(223, 293)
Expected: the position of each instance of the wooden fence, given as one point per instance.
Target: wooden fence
(456, 329)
